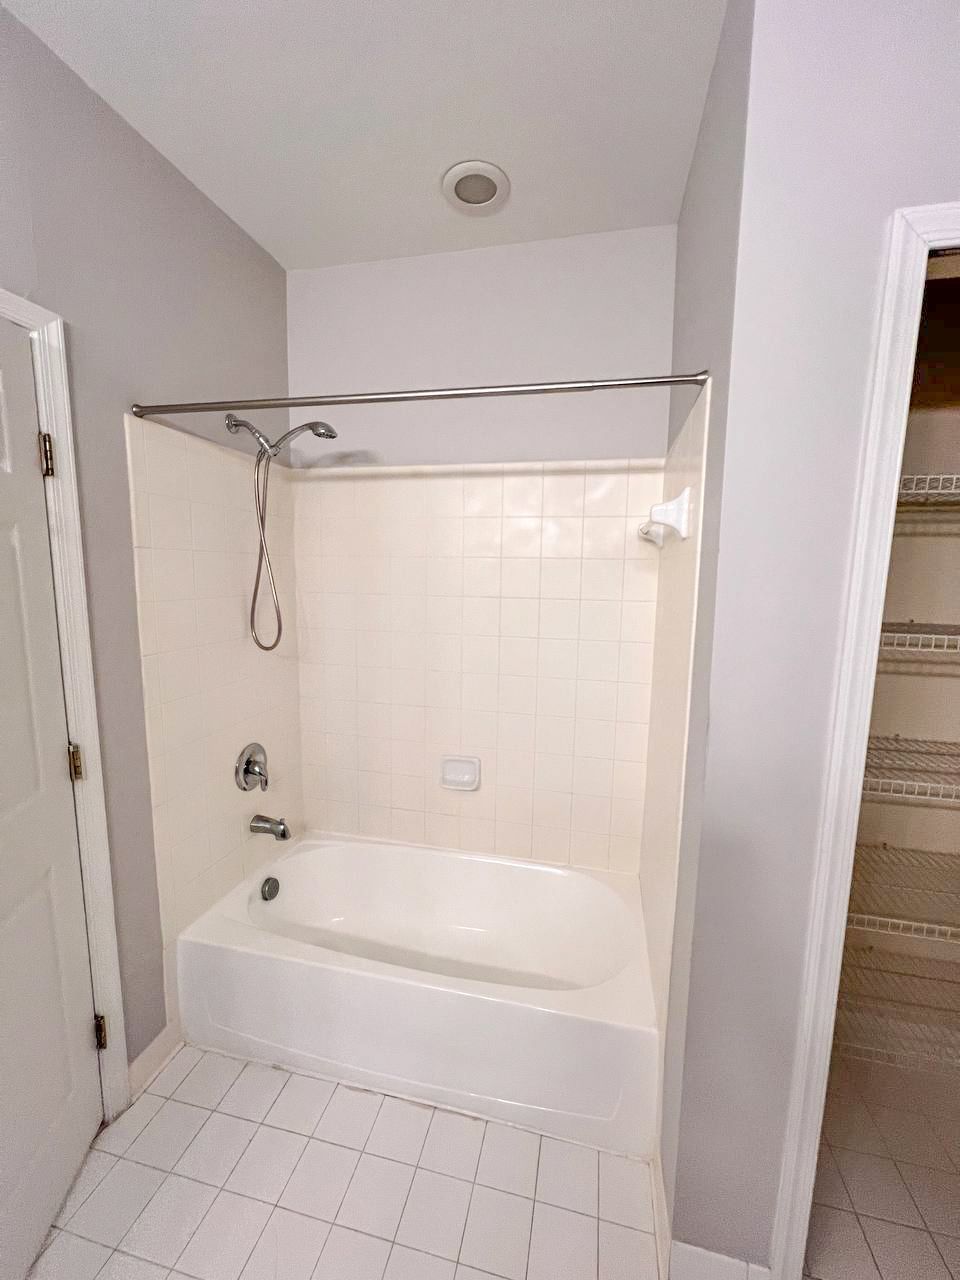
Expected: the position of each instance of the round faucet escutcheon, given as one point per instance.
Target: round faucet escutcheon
(270, 888)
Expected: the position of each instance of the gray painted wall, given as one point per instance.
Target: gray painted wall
(164, 299)
(590, 306)
(853, 112)
(707, 239)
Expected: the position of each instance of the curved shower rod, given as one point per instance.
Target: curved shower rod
(438, 393)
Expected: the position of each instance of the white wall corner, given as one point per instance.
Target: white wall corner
(687, 1262)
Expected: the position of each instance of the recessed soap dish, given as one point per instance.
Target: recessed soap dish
(460, 773)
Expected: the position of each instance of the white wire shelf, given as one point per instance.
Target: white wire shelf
(904, 928)
(899, 1007)
(929, 506)
(929, 646)
(929, 491)
(924, 1038)
(912, 770)
(885, 977)
(909, 868)
(908, 891)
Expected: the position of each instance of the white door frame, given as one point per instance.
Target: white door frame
(66, 547)
(915, 232)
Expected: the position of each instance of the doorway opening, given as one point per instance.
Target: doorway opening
(887, 1189)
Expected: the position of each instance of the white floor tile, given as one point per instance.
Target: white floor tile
(399, 1130)
(435, 1214)
(626, 1192)
(828, 1188)
(254, 1091)
(301, 1104)
(837, 1248)
(266, 1165)
(950, 1249)
(842, 1081)
(376, 1196)
(94, 1169)
(626, 1254)
(349, 1117)
(910, 1136)
(161, 1232)
(252, 1195)
(563, 1245)
(939, 1097)
(453, 1145)
(938, 1196)
(289, 1248)
(408, 1264)
(497, 1234)
(172, 1076)
(903, 1253)
(883, 1085)
(69, 1258)
(118, 1136)
(850, 1124)
(225, 1239)
(209, 1080)
(110, 1211)
(508, 1160)
(168, 1135)
(321, 1178)
(568, 1176)
(876, 1187)
(121, 1266)
(348, 1255)
(215, 1150)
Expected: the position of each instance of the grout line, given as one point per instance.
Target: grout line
(533, 1210)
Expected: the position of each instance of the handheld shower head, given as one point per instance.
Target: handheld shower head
(322, 430)
(261, 479)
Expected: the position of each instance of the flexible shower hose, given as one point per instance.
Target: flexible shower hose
(263, 559)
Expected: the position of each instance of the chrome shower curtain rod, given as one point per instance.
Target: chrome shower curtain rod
(439, 393)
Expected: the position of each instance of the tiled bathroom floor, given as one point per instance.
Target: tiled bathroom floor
(887, 1197)
(225, 1170)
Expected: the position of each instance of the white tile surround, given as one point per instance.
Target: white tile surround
(225, 1170)
(500, 612)
(207, 689)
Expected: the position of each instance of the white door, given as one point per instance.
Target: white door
(50, 1101)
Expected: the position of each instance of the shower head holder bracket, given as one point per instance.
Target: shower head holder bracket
(673, 515)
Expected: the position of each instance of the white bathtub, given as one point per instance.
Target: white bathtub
(511, 989)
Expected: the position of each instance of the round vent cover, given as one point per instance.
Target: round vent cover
(476, 187)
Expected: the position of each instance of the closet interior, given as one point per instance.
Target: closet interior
(899, 996)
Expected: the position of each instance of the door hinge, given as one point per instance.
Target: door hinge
(46, 453)
(100, 1031)
(75, 761)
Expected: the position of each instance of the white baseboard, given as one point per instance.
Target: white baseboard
(687, 1262)
(156, 1055)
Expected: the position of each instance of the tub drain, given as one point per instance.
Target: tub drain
(270, 888)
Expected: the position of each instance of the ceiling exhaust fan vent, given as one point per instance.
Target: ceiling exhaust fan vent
(476, 187)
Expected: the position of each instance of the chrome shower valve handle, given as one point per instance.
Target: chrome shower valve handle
(251, 770)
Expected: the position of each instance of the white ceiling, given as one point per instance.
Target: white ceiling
(323, 126)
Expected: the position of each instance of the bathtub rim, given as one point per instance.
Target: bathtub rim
(624, 1000)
